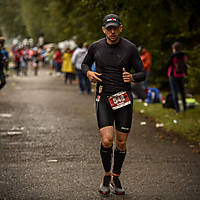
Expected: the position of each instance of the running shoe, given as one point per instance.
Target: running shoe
(116, 186)
(105, 185)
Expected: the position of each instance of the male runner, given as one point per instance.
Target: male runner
(115, 57)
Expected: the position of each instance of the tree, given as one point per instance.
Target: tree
(10, 19)
(155, 24)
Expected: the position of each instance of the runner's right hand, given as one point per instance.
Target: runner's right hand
(93, 76)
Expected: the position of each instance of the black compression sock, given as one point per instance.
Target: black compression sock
(106, 157)
(119, 157)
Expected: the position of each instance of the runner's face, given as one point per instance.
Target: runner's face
(112, 34)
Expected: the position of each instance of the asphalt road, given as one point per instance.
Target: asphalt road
(49, 148)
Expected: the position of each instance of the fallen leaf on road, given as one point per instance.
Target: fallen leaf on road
(14, 133)
(142, 111)
(174, 141)
(143, 123)
(159, 125)
(5, 115)
(52, 161)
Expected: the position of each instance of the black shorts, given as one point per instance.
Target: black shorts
(122, 117)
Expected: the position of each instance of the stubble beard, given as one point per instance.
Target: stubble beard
(113, 40)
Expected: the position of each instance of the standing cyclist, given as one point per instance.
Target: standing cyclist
(115, 57)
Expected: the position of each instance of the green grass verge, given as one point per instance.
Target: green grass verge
(185, 124)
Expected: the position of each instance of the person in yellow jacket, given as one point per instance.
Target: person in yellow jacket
(67, 66)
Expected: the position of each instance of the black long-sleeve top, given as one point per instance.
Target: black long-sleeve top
(110, 61)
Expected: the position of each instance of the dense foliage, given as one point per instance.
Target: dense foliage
(155, 24)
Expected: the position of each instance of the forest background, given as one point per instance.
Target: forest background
(155, 24)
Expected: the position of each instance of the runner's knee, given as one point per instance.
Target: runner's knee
(107, 142)
(121, 145)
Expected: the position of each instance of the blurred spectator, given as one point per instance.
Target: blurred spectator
(58, 60)
(24, 61)
(50, 59)
(2, 75)
(43, 55)
(176, 75)
(35, 60)
(77, 59)
(67, 66)
(147, 60)
(16, 55)
(5, 53)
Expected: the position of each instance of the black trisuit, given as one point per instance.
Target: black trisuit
(110, 61)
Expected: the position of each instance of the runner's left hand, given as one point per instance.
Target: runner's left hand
(127, 77)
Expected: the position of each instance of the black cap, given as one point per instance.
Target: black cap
(111, 20)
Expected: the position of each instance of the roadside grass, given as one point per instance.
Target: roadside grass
(185, 124)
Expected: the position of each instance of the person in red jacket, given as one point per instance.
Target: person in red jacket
(147, 60)
(17, 61)
(58, 59)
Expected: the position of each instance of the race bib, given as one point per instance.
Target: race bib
(119, 100)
